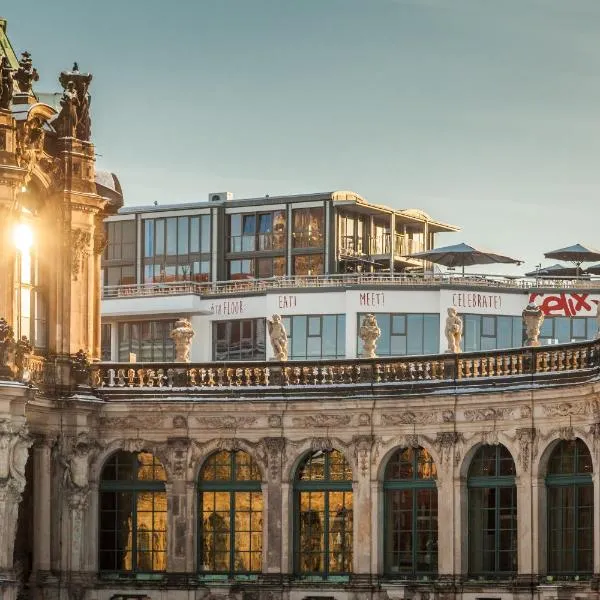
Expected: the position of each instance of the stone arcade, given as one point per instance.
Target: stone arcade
(472, 475)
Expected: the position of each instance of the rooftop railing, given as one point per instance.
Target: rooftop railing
(414, 373)
(345, 280)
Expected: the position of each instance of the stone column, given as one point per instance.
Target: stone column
(526, 523)
(445, 493)
(42, 494)
(273, 565)
(361, 502)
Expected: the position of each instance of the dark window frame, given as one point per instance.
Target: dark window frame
(258, 349)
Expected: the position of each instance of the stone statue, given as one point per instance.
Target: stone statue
(182, 336)
(369, 333)
(66, 122)
(278, 337)
(75, 457)
(22, 349)
(7, 345)
(454, 330)
(533, 317)
(26, 74)
(6, 83)
(84, 124)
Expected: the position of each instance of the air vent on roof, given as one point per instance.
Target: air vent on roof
(220, 196)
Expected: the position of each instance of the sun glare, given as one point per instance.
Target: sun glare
(23, 237)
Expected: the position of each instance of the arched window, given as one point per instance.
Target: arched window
(323, 490)
(231, 514)
(570, 509)
(133, 514)
(492, 512)
(411, 528)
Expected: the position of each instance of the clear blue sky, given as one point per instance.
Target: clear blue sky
(484, 113)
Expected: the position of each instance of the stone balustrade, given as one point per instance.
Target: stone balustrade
(480, 368)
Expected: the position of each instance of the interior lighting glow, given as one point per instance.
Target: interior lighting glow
(23, 237)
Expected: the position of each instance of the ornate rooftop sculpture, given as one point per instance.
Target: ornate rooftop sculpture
(533, 317)
(26, 74)
(74, 118)
(6, 83)
(454, 331)
(369, 333)
(278, 337)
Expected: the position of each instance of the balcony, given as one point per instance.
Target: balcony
(259, 242)
(402, 245)
(406, 375)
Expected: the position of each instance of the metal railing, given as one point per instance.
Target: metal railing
(345, 280)
(476, 368)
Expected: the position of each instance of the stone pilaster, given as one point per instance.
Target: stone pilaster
(273, 500)
(42, 494)
(362, 504)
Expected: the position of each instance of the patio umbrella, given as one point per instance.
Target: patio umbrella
(463, 255)
(594, 269)
(557, 271)
(575, 254)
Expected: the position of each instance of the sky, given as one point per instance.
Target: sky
(483, 113)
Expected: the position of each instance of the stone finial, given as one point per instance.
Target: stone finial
(26, 73)
(453, 331)
(369, 333)
(278, 337)
(182, 335)
(533, 317)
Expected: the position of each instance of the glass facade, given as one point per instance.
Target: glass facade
(491, 332)
(308, 229)
(177, 249)
(492, 512)
(149, 340)
(242, 339)
(323, 528)
(250, 232)
(404, 334)
(120, 253)
(133, 514)
(316, 336)
(567, 329)
(570, 509)
(251, 268)
(411, 525)
(105, 342)
(231, 514)
(309, 264)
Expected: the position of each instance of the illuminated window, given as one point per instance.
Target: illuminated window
(231, 514)
(133, 514)
(411, 526)
(570, 509)
(308, 227)
(323, 528)
(492, 512)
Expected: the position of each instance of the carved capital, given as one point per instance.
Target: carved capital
(80, 248)
(274, 449)
(448, 443)
(526, 437)
(362, 452)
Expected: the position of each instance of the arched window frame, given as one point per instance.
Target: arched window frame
(135, 487)
(232, 486)
(574, 481)
(413, 484)
(327, 486)
(498, 483)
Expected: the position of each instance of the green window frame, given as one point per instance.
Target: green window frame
(491, 332)
(132, 529)
(570, 516)
(492, 498)
(323, 516)
(230, 524)
(410, 514)
(567, 329)
(316, 336)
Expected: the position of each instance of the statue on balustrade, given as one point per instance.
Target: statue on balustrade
(26, 73)
(66, 122)
(6, 83)
(278, 337)
(454, 331)
(533, 317)
(369, 333)
(182, 335)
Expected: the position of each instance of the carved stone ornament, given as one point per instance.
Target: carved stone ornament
(26, 73)
(369, 333)
(362, 452)
(182, 335)
(322, 420)
(178, 458)
(7, 346)
(526, 437)
(15, 442)
(453, 331)
(533, 317)
(445, 443)
(75, 456)
(100, 242)
(321, 444)
(225, 422)
(278, 338)
(410, 417)
(274, 449)
(488, 414)
(6, 83)
(129, 422)
(80, 249)
(179, 422)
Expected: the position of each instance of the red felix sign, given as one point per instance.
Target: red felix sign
(566, 304)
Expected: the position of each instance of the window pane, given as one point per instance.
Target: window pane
(194, 235)
(205, 233)
(431, 334)
(172, 236)
(414, 334)
(562, 329)
(160, 236)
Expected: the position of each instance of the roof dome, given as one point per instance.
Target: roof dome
(109, 187)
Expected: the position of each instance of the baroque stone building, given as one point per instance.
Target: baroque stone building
(470, 475)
